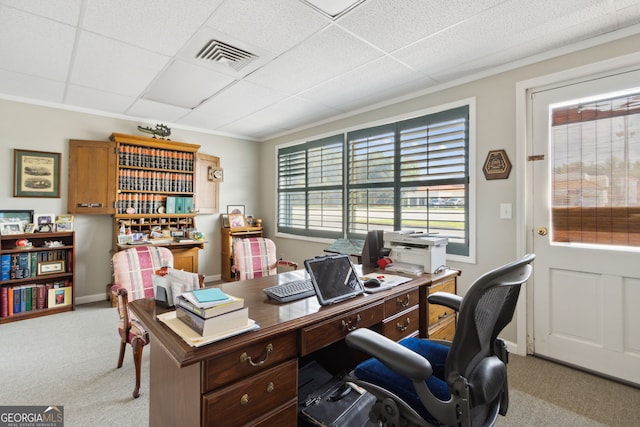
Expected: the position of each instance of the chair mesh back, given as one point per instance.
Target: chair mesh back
(486, 309)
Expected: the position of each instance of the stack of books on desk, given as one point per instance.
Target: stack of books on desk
(211, 312)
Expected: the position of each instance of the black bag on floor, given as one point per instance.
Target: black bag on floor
(328, 401)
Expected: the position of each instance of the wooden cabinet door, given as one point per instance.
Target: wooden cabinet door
(92, 177)
(207, 188)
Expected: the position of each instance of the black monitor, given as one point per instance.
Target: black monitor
(371, 249)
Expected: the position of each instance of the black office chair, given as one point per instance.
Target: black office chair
(419, 382)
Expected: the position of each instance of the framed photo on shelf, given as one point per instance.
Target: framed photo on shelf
(23, 216)
(50, 267)
(235, 209)
(225, 220)
(59, 297)
(237, 220)
(45, 218)
(36, 174)
(11, 228)
(64, 226)
(29, 228)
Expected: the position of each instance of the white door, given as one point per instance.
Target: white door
(586, 220)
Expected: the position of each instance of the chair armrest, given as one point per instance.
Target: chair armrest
(291, 264)
(452, 301)
(399, 359)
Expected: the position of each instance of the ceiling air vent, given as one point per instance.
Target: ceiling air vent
(222, 53)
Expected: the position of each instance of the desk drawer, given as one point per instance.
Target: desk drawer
(251, 398)
(402, 325)
(234, 365)
(400, 302)
(323, 334)
(444, 330)
(438, 313)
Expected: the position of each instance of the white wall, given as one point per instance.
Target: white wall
(31, 127)
(496, 129)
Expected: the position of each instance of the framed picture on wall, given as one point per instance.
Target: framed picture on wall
(235, 209)
(36, 174)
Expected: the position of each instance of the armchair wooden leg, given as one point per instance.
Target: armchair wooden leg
(123, 346)
(137, 346)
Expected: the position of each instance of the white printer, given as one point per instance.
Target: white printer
(414, 252)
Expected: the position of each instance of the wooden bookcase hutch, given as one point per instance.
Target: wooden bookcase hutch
(147, 184)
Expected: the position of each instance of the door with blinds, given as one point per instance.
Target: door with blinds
(586, 217)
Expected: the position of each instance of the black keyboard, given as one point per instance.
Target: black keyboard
(291, 291)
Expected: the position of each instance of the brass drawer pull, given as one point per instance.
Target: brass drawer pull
(350, 325)
(270, 387)
(404, 302)
(404, 327)
(445, 314)
(244, 400)
(246, 358)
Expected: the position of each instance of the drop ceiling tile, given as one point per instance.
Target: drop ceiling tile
(156, 111)
(291, 113)
(162, 26)
(250, 129)
(186, 85)
(112, 66)
(274, 25)
(205, 120)
(323, 56)
(98, 100)
(67, 11)
(34, 45)
(30, 87)
(392, 24)
(240, 99)
(351, 89)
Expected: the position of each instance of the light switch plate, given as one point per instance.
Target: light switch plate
(505, 210)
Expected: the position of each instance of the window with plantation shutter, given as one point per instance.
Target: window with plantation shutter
(310, 188)
(412, 174)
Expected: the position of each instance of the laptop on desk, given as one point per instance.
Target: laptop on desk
(331, 278)
(334, 278)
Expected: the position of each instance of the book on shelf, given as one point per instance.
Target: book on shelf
(223, 323)
(218, 309)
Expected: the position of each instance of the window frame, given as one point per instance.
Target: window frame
(470, 212)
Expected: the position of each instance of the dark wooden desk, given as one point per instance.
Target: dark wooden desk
(252, 378)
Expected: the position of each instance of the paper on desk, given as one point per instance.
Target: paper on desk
(386, 280)
(192, 338)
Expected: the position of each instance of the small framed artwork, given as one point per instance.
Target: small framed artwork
(11, 228)
(29, 228)
(59, 296)
(50, 267)
(235, 209)
(64, 226)
(45, 218)
(45, 228)
(225, 220)
(236, 220)
(496, 165)
(36, 174)
(124, 239)
(24, 217)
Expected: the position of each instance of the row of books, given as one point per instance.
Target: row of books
(25, 265)
(211, 312)
(24, 298)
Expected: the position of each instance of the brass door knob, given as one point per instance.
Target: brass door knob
(542, 231)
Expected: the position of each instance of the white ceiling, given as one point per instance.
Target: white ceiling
(136, 58)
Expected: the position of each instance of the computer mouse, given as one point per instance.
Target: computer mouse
(371, 283)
